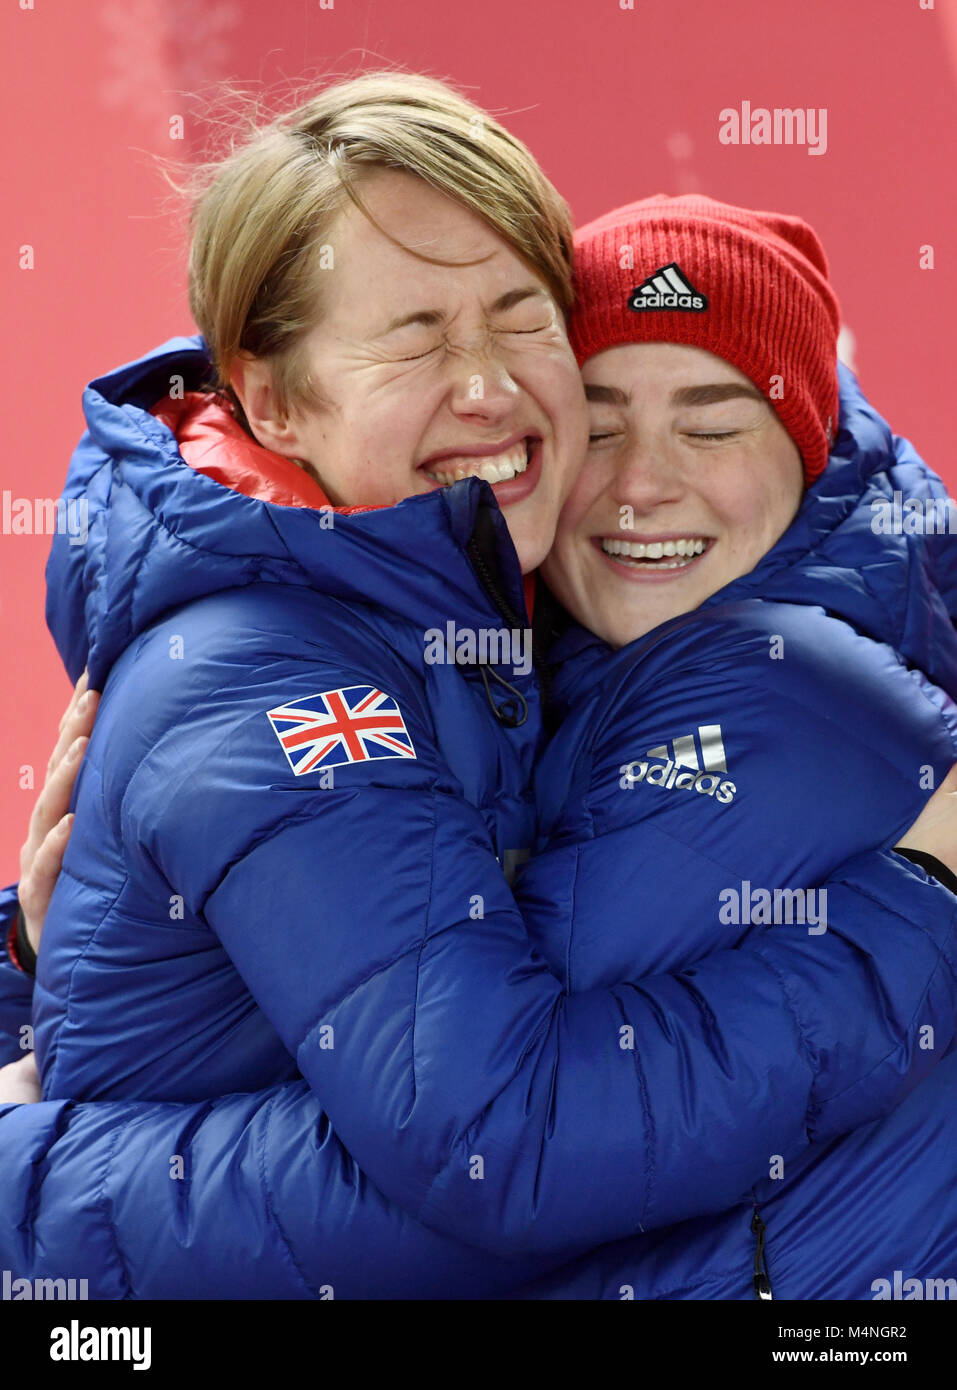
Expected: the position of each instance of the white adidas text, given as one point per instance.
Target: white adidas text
(672, 777)
(684, 764)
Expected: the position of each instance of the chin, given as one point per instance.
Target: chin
(531, 549)
(624, 635)
(529, 561)
(618, 628)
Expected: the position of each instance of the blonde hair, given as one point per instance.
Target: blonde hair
(260, 214)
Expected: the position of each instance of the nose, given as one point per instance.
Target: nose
(647, 476)
(482, 388)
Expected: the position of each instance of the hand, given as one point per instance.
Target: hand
(19, 1082)
(42, 856)
(935, 829)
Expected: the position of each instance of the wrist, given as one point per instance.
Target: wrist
(931, 865)
(19, 949)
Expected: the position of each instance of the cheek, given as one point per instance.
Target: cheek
(751, 506)
(581, 517)
(383, 436)
(586, 493)
(555, 384)
(380, 401)
(777, 492)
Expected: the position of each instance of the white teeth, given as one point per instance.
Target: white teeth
(688, 548)
(497, 468)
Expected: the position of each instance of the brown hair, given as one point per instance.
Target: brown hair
(260, 213)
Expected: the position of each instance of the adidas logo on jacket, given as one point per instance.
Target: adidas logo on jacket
(697, 776)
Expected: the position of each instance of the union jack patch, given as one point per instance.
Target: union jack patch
(336, 727)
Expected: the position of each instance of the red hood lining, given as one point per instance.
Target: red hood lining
(213, 442)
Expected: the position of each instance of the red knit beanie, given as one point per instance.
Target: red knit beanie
(751, 287)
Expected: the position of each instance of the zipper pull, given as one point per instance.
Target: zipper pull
(762, 1284)
(512, 712)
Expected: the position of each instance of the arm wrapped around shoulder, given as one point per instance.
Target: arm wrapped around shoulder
(875, 996)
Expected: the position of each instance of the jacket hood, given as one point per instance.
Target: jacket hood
(874, 543)
(160, 531)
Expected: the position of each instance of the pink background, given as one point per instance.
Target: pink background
(615, 103)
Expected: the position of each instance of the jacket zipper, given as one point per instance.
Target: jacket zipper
(511, 712)
(762, 1282)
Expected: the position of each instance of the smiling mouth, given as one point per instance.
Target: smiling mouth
(499, 467)
(676, 553)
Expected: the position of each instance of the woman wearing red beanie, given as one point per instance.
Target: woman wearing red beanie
(708, 334)
(759, 682)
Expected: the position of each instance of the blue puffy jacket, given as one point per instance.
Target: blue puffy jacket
(728, 762)
(222, 922)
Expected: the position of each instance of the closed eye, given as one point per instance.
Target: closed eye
(417, 355)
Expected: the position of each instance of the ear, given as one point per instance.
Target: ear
(251, 379)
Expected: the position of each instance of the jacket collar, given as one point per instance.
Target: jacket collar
(162, 532)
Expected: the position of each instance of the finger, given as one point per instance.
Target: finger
(54, 800)
(80, 723)
(70, 725)
(52, 804)
(27, 1066)
(19, 1082)
(78, 690)
(37, 885)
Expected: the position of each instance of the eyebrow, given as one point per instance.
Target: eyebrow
(430, 318)
(607, 395)
(510, 298)
(710, 394)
